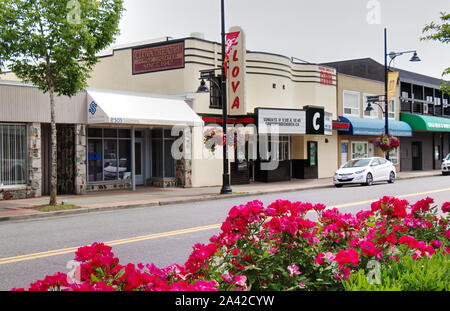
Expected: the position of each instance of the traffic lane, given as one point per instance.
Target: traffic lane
(70, 231)
(162, 252)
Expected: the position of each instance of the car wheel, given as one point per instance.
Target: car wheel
(369, 179)
(391, 178)
(338, 186)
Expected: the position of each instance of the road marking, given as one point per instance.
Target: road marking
(110, 243)
(175, 232)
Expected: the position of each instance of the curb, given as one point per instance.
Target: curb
(208, 197)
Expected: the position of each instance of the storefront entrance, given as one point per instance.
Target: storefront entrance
(416, 150)
(139, 161)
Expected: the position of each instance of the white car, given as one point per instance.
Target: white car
(365, 171)
(445, 167)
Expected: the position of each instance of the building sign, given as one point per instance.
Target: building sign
(288, 121)
(236, 75)
(326, 76)
(157, 58)
(315, 120)
(328, 126)
(392, 84)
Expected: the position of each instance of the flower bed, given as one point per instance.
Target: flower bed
(276, 248)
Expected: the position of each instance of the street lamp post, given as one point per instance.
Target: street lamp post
(392, 55)
(210, 75)
(226, 188)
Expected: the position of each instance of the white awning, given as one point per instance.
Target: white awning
(113, 107)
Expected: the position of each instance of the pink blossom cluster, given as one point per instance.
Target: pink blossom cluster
(276, 247)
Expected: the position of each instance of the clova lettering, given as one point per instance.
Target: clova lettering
(235, 73)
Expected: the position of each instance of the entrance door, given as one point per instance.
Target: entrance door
(416, 150)
(344, 153)
(138, 160)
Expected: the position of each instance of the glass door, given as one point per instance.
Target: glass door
(138, 160)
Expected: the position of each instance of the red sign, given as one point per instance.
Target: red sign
(326, 76)
(229, 43)
(156, 58)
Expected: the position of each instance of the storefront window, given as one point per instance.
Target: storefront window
(283, 148)
(393, 156)
(391, 110)
(163, 164)
(359, 150)
(95, 148)
(109, 154)
(13, 154)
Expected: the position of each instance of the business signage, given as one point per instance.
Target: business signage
(288, 121)
(157, 58)
(392, 84)
(315, 120)
(328, 124)
(236, 74)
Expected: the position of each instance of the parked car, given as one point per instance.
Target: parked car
(445, 167)
(365, 171)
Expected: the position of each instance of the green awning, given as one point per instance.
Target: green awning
(426, 123)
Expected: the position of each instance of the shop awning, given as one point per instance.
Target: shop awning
(374, 127)
(426, 123)
(112, 107)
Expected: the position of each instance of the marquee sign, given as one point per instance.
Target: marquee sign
(236, 74)
(289, 121)
(157, 58)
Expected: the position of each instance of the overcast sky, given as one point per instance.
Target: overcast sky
(314, 30)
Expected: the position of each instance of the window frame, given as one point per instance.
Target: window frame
(352, 114)
(353, 152)
(23, 153)
(375, 107)
(103, 139)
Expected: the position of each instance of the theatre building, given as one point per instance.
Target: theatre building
(263, 90)
(141, 121)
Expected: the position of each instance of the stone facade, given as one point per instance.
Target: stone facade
(80, 159)
(106, 186)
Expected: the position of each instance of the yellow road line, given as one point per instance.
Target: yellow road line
(110, 243)
(174, 233)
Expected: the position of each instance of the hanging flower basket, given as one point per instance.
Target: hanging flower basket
(387, 142)
(214, 137)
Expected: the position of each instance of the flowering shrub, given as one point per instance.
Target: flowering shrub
(387, 142)
(213, 137)
(277, 248)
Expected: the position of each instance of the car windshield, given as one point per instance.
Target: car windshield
(447, 158)
(357, 163)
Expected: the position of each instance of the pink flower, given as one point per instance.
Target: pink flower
(240, 280)
(347, 256)
(293, 270)
(445, 207)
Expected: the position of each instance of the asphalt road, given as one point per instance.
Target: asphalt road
(163, 235)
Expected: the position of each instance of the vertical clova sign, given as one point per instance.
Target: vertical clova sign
(236, 75)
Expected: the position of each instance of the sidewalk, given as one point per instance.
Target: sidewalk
(150, 196)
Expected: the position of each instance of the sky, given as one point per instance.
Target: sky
(313, 30)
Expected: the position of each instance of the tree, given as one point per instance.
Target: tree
(441, 33)
(53, 44)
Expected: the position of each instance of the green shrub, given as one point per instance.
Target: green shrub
(408, 274)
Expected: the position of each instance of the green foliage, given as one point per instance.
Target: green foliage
(408, 274)
(441, 33)
(53, 43)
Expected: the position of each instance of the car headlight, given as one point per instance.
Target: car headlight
(360, 172)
